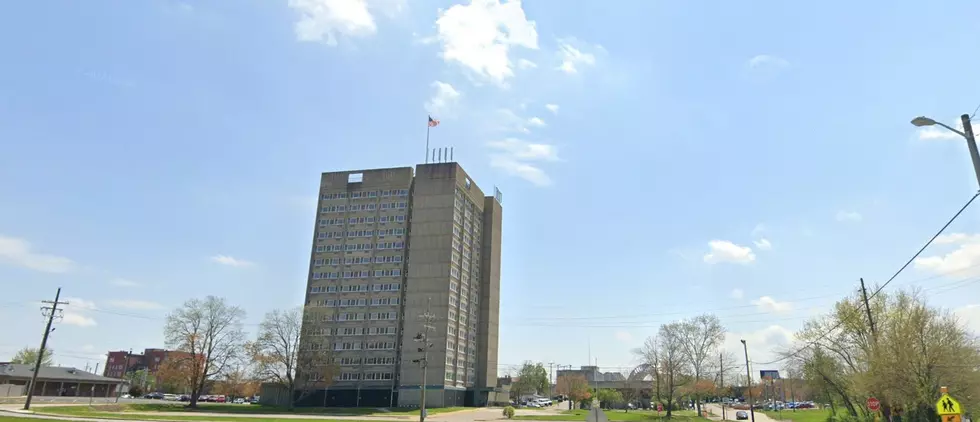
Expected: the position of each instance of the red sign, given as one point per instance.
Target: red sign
(660, 407)
(873, 404)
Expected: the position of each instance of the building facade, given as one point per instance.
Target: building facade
(120, 363)
(390, 245)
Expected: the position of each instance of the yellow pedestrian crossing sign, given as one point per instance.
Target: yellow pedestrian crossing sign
(948, 406)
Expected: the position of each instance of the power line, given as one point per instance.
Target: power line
(882, 287)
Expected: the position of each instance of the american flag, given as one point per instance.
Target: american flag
(433, 122)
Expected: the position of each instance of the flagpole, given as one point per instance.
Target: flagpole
(428, 127)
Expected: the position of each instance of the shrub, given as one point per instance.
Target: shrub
(509, 412)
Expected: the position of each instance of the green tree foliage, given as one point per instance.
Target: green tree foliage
(532, 378)
(509, 412)
(28, 356)
(609, 397)
(914, 350)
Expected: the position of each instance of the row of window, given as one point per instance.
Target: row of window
(367, 345)
(332, 275)
(358, 316)
(380, 360)
(364, 207)
(365, 194)
(352, 331)
(361, 220)
(351, 260)
(350, 247)
(360, 233)
(370, 376)
(343, 303)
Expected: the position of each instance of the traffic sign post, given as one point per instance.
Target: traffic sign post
(873, 404)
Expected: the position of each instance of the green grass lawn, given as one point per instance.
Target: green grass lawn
(615, 415)
(801, 415)
(16, 419)
(178, 412)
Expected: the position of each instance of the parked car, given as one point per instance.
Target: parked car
(154, 396)
(220, 399)
(741, 415)
(239, 401)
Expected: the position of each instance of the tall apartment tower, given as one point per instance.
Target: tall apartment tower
(389, 246)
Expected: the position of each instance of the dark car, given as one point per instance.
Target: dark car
(154, 396)
(741, 415)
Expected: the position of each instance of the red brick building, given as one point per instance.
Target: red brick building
(118, 364)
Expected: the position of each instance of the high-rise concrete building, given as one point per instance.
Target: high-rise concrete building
(390, 245)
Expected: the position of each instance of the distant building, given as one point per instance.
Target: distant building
(592, 374)
(120, 363)
(55, 381)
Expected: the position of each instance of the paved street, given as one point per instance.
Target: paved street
(730, 414)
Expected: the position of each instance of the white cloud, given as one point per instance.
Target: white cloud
(77, 319)
(324, 20)
(526, 64)
(520, 169)
(965, 256)
(523, 150)
(552, 107)
(231, 261)
(759, 229)
(768, 304)
(624, 336)
(79, 304)
(765, 60)
(763, 244)
(725, 251)
(444, 100)
(969, 316)
(135, 304)
(122, 282)
(76, 312)
(572, 58)
(19, 252)
(763, 344)
(479, 36)
(737, 294)
(536, 121)
(851, 216)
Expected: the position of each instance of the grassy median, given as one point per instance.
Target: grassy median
(799, 415)
(226, 413)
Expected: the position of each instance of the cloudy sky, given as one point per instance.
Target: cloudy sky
(658, 159)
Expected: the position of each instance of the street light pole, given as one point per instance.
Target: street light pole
(967, 134)
(748, 374)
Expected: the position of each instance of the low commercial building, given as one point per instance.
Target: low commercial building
(56, 381)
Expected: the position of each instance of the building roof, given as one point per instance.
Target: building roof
(48, 373)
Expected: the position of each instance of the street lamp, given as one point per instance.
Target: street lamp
(748, 374)
(966, 133)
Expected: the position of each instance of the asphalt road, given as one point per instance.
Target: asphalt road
(730, 414)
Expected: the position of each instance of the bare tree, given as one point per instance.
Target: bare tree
(278, 358)
(664, 359)
(209, 332)
(700, 338)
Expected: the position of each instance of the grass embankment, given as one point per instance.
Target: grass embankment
(799, 415)
(251, 413)
(26, 419)
(617, 416)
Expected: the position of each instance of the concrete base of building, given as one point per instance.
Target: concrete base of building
(349, 397)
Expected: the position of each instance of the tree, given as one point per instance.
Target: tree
(575, 386)
(632, 383)
(609, 397)
(532, 378)
(912, 351)
(140, 380)
(28, 356)
(209, 332)
(277, 356)
(700, 338)
(663, 355)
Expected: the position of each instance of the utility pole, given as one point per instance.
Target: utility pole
(885, 407)
(721, 383)
(92, 395)
(748, 374)
(867, 308)
(50, 312)
(422, 337)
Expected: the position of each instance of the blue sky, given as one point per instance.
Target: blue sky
(657, 159)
